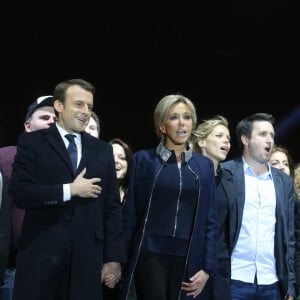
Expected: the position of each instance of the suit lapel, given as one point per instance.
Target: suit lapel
(229, 187)
(56, 142)
(278, 192)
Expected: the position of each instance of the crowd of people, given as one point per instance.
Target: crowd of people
(82, 218)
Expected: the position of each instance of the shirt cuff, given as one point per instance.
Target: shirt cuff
(67, 192)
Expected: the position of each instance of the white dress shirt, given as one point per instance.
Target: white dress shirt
(254, 251)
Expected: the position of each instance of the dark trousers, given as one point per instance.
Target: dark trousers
(158, 276)
(109, 293)
(48, 285)
(114, 294)
(252, 291)
(217, 288)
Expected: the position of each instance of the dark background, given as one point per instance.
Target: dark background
(229, 57)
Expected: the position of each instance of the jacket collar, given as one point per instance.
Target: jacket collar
(165, 154)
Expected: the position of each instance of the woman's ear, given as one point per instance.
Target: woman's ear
(201, 143)
(162, 129)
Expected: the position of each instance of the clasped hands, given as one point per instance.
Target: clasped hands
(111, 274)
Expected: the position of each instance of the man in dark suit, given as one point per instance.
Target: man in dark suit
(72, 236)
(262, 225)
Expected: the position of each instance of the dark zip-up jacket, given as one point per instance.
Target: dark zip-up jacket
(145, 169)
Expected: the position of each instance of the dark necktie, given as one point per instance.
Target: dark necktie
(72, 149)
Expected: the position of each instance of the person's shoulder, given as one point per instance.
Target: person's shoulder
(231, 163)
(33, 135)
(145, 153)
(283, 180)
(94, 140)
(282, 175)
(201, 164)
(226, 164)
(8, 150)
(7, 155)
(226, 173)
(99, 141)
(39, 132)
(198, 158)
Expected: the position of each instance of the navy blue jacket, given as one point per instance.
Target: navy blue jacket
(146, 165)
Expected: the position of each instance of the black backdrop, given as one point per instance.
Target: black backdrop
(230, 57)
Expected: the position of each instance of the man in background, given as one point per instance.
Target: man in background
(93, 126)
(40, 114)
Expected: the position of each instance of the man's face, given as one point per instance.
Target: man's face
(75, 112)
(261, 142)
(41, 118)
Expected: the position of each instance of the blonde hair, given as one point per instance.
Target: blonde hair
(164, 105)
(204, 129)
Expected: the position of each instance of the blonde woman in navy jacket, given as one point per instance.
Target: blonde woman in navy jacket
(170, 211)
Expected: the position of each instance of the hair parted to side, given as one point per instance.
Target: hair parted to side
(245, 126)
(205, 128)
(164, 105)
(61, 88)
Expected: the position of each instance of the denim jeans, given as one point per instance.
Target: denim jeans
(6, 290)
(252, 291)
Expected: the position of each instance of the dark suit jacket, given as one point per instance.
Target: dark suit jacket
(230, 191)
(218, 287)
(91, 227)
(284, 228)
